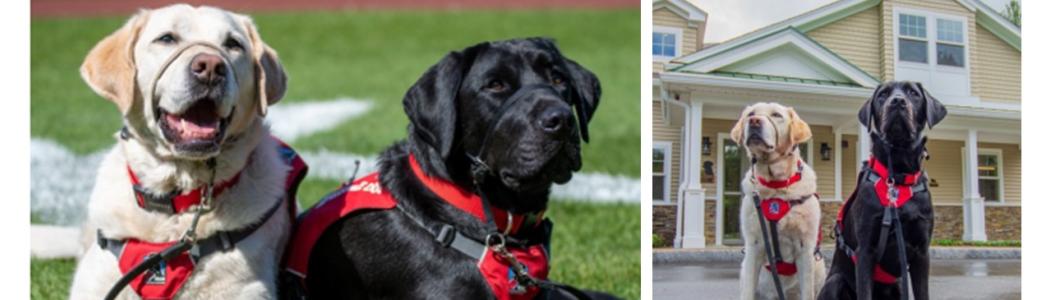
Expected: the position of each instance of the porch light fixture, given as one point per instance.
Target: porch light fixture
(825, 151)
(706, 148)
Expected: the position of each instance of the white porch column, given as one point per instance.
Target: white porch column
(691, 201)
(838, 163)
(863, 146)
(973, 203)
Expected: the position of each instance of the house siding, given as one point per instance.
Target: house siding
(663, 132)
(996, 69)
(945, 167)
(825, 169)
(690, 36)
(855, 38)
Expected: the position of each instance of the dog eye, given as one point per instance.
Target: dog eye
(232, 43)
(751, 114)
(776, 115)
(913, 93)
(496, 86)
(167, 38)
(557, 79)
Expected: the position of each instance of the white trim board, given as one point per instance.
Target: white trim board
(778, 42)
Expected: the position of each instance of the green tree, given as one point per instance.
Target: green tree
(1013, 12)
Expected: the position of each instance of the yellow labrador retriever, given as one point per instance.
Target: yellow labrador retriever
(195, 171)
(786, 188)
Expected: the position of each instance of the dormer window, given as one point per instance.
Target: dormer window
(931, 47)
(667, 43)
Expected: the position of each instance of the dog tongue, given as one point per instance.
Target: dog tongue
(198, 122)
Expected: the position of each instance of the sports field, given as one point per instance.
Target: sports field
(375, 56)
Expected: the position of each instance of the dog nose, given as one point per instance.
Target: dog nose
(897, 101)
(555, 119)
(208, 69)
(754, 122)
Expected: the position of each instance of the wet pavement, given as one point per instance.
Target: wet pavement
(949, 279)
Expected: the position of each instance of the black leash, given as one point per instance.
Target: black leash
(772, 253)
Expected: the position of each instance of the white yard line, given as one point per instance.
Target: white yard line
(290, 121)
(61, 181)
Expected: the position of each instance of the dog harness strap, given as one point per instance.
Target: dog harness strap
(175, 202)
(473, 204)
(779, 184)
(163, 280)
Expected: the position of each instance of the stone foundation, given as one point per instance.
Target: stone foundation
(664, 223)
(1001, 222)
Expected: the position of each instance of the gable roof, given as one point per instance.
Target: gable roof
(682, 8)
(829, 13)
(828, 66)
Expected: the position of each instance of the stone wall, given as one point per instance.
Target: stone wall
(1002, 222)
(664, 223)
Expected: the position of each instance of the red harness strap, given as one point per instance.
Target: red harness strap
(164, 281)
(774, 209)
(179, 202)
(368, 194)
(904, 193)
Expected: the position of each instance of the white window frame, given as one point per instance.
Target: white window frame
(678, 33)
(931, 40)
(998, 153)
(667, 148)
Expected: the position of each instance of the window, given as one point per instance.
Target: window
(950, 47)
(663, 44)
(912, 39)
(915, 37)
(990, 175)
(803, 151)
(667, 42)
(661, 171)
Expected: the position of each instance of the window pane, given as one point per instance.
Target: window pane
(668, 40)
(989, 189)
(914, 26)
(658, 188)
(987, 165)
(914, 51)
(664, 44)
(658, 154)
(950, 31)
(950, 55)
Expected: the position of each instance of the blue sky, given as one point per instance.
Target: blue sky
(730, 18)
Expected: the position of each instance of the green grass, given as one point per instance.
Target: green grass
(50, 279)
(374, 55)
(595, 246)
(377, 55)
(1001, 243)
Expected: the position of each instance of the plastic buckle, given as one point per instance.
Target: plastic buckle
(446, 235)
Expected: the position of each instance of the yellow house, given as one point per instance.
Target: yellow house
(825, 63)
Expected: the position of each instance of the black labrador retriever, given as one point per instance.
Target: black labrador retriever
(496, 119)
(897, 116)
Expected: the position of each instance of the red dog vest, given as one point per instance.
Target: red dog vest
(774, 209)
(882, 190)
(367, 193)
(164, 281)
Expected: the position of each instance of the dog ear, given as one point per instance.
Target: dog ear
(587, 90)
(737, 134)
(935, 111)
(867, 111)
(109, 69)
(798, 128)
(270, 79)
(431, 102)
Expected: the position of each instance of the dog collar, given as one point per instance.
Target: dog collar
(471, 203)
(880, 169)
(779, 184)
(903, 189)
(176, 201)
